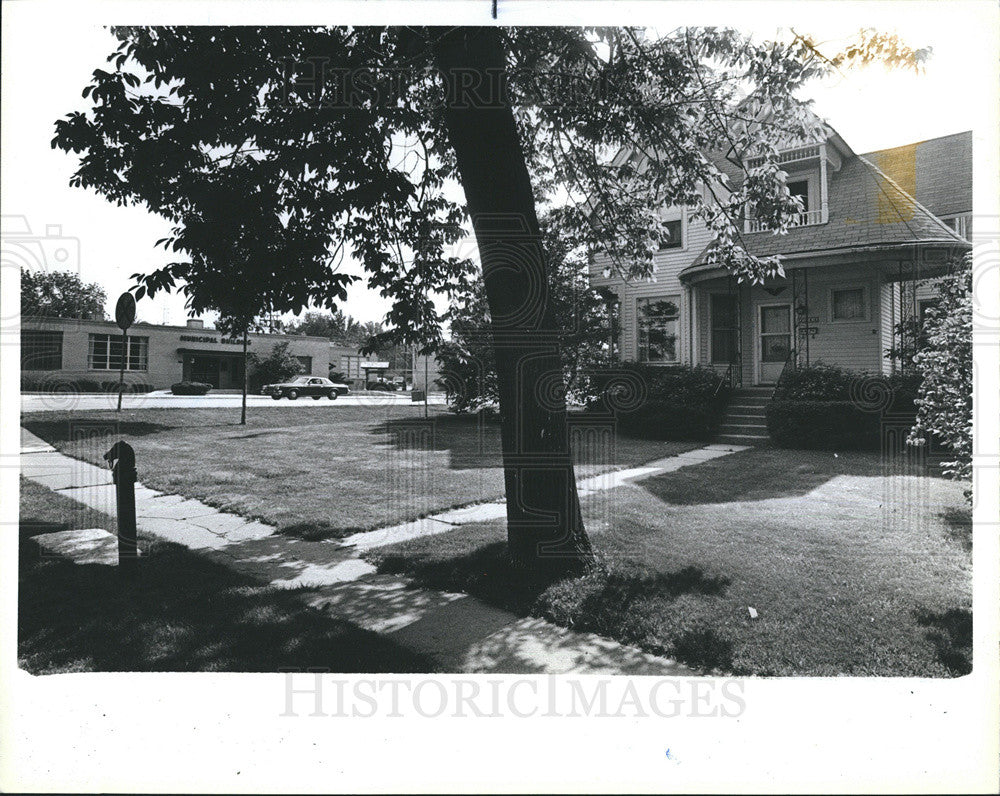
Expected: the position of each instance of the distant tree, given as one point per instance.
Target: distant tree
(944, 402)
(585, 317)
(336, 326)
(278, 365)
(60, 294)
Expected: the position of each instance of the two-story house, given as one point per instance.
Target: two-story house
(873, 230)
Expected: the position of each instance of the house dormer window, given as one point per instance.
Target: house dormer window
(808, 174)
(800, 188)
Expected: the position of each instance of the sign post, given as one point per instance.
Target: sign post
(124, 317)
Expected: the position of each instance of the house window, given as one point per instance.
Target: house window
(725, 328)
(962, 225)
(104, 352)
(674, 238)
(306, 363)
(800, 188)
(658, 327)
(41, 350)
(848, 304)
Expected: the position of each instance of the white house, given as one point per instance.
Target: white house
(875, 227)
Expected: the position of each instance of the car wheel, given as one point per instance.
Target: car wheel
(293, 394)
(332, 395)
(276, 396)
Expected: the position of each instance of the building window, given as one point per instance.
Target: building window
(105, 352)
(306, 363)
(725, 328)
(962, 225)
(800, 188)
(41, 350)
(658, 327)
(848, 304)
(674, 238)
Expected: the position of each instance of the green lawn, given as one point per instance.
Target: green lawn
(854, 567)
(185, 613)
(321, 473)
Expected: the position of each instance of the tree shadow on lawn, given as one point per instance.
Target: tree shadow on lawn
(959, 524)
(951, 635)
(768, 473)
(471, 441)
(58, 431)
(623, 604)
(185, 613)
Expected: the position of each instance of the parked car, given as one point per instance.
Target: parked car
(314, 386)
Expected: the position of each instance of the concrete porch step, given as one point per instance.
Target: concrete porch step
(742, 439)
(750, 400)
(753, 411)
(743, 417)
(743, 428)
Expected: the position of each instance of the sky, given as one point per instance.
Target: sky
(871, 108)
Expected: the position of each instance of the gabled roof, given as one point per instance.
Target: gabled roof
(937, 172)
(866, 209)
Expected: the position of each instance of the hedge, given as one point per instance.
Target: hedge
(671, 420)
(830, 425)
(831, 408)
(190, 388)
(31, 382)
(676, 402)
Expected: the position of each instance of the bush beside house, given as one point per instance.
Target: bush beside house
(671, 403)
(190, 388)
(54, 383)
(277, 366)
(835, 409)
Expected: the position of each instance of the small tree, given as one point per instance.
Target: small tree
(587, 328)
(944, 402)
(60, 294)
(276, 366)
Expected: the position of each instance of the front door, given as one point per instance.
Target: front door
(206, 370)
(774, 329)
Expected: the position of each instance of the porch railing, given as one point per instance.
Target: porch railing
(733, 375)
(790, 364)
(807, 219)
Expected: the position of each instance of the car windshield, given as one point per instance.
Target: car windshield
(300, 380)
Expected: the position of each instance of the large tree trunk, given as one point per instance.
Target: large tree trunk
(544, 526)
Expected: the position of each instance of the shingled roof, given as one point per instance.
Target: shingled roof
(937, 172)
(866, 208)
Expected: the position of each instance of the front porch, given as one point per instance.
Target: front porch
(838, 313)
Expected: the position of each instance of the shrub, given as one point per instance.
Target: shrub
(53, 382)
(133, 387)
(818, 382)
(276, 366)
(829, 425)
(190, 388)
(945, 397)
(677, 402)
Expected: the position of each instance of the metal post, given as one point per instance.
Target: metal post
(121, 372)
(123, 473)
(426, 385)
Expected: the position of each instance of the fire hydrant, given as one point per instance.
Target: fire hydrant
(121, 458)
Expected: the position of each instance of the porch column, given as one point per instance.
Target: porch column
(691, 301)
(824, 207)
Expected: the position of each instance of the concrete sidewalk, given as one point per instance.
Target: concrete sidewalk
(458, 632)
